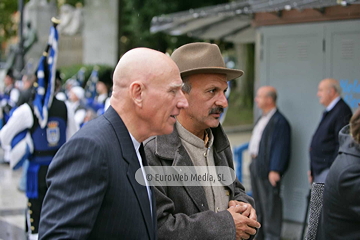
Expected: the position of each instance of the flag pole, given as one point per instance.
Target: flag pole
(55, 22)
(20, 67)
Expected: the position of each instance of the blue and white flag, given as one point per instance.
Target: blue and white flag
(46, 79)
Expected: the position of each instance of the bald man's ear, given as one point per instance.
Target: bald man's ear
(136, 90)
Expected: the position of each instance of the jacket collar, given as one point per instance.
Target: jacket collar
(169, 147)
(122, 134)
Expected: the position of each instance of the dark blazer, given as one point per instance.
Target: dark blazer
(340, 216)
(92, 191)
(183, 212)
(274, 147)
(325, 143)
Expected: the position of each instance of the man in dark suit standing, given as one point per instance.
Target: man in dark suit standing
(269, 148)
(92, 191)
(325, 141)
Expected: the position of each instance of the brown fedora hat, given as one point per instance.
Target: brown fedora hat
(194, 58)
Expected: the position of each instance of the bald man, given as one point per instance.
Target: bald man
(92, 190)
(325, 143)
(269, 148)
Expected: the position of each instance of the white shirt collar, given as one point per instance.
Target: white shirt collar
(270, 113)
(135, 142)
(332, 104)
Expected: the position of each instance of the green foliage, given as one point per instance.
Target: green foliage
(237, 114)
(7, 28)
(70, 71)
(247, 86)
(73, 2)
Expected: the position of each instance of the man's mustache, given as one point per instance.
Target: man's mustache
(216, 110)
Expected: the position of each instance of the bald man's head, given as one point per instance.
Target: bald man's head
(266, 98)
(328, 90)
(270, 92)
(147, 92)
(141, 64)
(332, 83)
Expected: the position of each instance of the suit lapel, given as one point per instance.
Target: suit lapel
(129, 155)
(141, 194)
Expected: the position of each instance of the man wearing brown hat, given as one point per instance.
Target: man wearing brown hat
(200, 212)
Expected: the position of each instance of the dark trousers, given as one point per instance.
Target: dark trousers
(268, 206)
(35, 204)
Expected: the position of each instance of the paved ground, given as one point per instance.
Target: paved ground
(12, 205)
(13, 202)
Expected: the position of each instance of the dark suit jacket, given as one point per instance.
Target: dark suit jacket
(325, 143)
(92, 191)
(274, 147)
(183, 212)
(340, 216)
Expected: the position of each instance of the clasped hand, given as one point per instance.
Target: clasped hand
(245, 219)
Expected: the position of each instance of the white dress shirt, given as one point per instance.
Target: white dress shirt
(332, 104)
(257, 132)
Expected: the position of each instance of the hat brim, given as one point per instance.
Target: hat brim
(230, 73)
